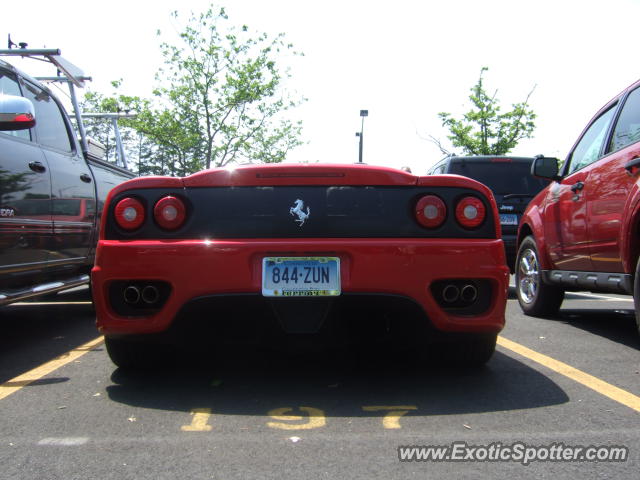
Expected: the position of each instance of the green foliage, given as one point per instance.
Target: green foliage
(219, 100)
(484, 130)
(101, 129)
(224, 85)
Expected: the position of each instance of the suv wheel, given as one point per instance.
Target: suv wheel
(535, 297)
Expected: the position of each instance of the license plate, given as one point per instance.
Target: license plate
(508, 219)
(300, 276)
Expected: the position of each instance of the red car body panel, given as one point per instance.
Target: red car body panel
(565, 225)
(197, 267)
(531, 221)
(611, 196)
(275, 175)
(395, 267)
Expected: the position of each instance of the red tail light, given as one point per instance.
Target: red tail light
(431, 211)
(129, 213)
(170, 213)
(470, 212)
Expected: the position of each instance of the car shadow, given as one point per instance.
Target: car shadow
(256, 384)
(617, 325)
(36, 332)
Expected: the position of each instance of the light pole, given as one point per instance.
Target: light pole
(363, 113)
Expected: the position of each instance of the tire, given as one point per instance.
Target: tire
(467, 352)
(131, 355)
(477, 350)
(535, 297)
(636, 294)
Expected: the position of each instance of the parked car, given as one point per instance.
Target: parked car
(511, 182)
(297, 254)
(51, 187)
(581, 232)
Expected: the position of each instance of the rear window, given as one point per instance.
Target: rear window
(502, 178)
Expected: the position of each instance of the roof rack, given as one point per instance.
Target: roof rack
(73, 76)
(51, 55)
(120, 154)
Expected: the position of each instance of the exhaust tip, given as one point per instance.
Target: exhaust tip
(469, 293)
(464, 297)
(451, 293)
(131, 295)
(150, 295)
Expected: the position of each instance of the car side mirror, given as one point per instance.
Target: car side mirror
(16, 113)
(545, 167)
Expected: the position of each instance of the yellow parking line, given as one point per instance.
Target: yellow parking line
(614, 393)
(37, 373)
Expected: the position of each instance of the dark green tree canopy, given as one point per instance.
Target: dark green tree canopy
(485, 130)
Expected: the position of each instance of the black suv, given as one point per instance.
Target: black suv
(511, 182)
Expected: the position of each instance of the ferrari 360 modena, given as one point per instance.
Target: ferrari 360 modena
(298, 254)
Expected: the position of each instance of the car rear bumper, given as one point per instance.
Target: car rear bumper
(193, 270)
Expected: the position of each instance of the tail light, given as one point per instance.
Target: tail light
(470, 212)
(170, 213)
(431, 211)
(129, 213)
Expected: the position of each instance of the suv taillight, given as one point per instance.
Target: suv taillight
(129, 213)
(470, 212)
(431, 211)
(170, 213)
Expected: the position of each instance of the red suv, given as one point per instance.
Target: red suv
(581, 232)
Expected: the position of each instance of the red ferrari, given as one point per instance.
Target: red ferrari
(339, 254)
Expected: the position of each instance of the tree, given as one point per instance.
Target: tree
(224, 86)
(484, 130)
(101, 129)
(220, 100)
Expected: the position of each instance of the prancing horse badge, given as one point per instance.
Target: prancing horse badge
(298, 210)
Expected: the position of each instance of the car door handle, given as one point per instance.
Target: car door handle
(37, 167)
(631, 164)
(576, 187)
(85, 178)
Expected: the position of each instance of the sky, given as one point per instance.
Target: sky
(404, 61)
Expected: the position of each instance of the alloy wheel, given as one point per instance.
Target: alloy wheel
(529, 278)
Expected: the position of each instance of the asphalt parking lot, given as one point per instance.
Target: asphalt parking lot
(67, 412)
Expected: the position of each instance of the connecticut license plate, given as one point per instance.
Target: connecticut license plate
(300, 276)
(508, 219)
